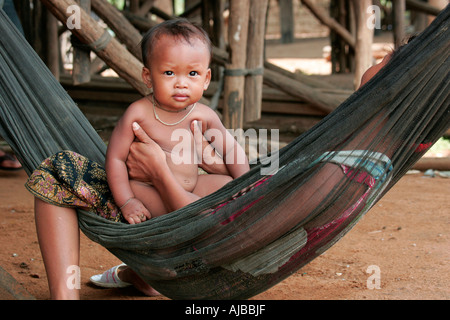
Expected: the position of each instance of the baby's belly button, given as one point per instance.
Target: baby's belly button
(188, 184)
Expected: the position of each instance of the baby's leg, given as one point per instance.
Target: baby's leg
(208, 183)
(149, 196)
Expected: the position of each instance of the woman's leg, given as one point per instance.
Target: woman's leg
(59, 240)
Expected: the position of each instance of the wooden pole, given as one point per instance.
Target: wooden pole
(107, 48)
(233, 114)
(286, 21)
(255, 60)
(364, 40)
(433, 7)
(81, 72)
(52, 45)
(218, 7)
(399, 7)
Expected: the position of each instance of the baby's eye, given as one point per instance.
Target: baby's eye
(193, 73)
(168, 73)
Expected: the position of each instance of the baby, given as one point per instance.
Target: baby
(176, 57)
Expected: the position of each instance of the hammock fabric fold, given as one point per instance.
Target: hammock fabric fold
(258, 229)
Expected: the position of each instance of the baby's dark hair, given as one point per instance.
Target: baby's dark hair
(404, 43)
(178, 28)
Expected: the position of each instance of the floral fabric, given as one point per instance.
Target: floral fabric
(69, 179)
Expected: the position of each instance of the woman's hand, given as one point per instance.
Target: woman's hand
(146, 160)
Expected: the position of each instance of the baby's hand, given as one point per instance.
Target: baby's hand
(135, 212)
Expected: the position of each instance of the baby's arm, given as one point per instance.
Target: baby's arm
(116, 170)
(232, 153)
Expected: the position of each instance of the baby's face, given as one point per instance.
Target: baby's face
(179, 72)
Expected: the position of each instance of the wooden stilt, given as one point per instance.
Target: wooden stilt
(52, 45)
(286, 21)
(81, 72)
(364, 40)
(233, 115)
(255, 60)
(399, 21)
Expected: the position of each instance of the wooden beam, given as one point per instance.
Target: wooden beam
(145, 8)
(124, 30)
(107, 48)
(330, 22)
(422, 7)
(141, 23)
(163, 15)
(324, 102)
(297, 76)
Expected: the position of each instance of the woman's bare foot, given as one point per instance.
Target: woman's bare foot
(9, 162)
(126, 274)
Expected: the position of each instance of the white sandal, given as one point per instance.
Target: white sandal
(110, 278)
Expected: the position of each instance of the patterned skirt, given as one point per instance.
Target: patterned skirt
(68, 179)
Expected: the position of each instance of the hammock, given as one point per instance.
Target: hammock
(258, 229)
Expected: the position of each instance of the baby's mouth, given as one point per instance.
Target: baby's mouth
(180, 97)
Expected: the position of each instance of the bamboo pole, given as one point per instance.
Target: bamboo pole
(255, 60)
(107, 48)
(233, 115)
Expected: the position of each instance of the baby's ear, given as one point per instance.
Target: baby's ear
(146, 77)
(207, 80)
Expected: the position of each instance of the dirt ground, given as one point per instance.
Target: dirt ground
(403, 241)
(405, 236)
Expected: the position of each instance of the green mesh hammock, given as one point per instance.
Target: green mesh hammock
(258, 229)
